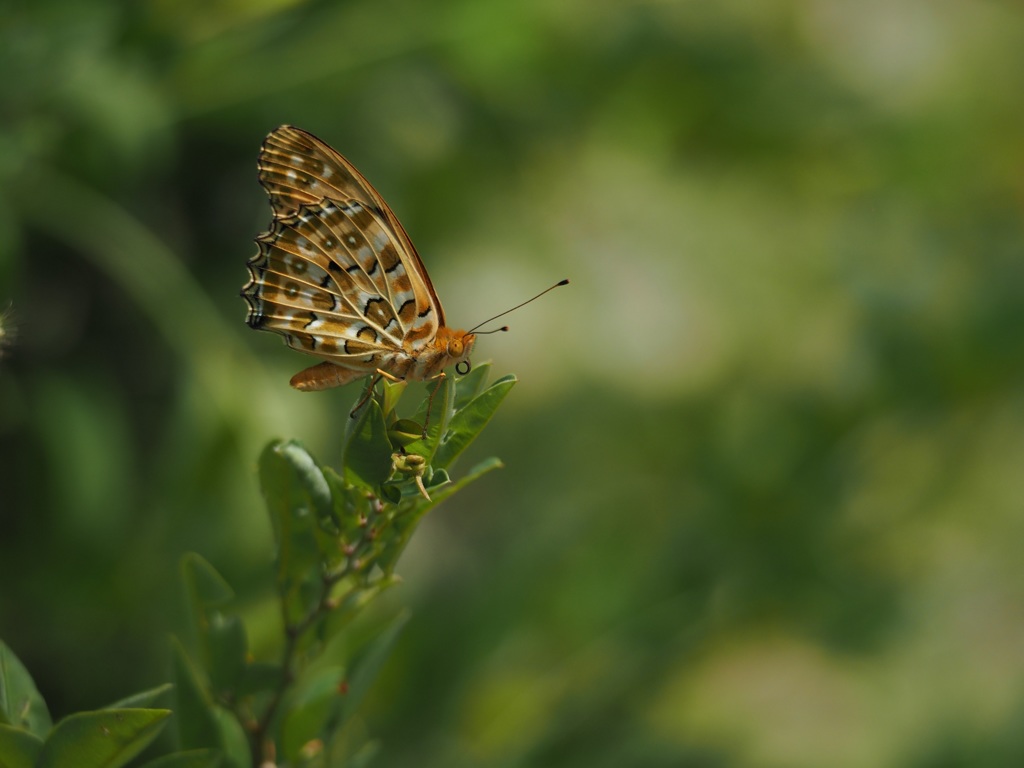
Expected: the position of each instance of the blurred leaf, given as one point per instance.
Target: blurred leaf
(259, 677)
(101, 739)
(18, 748)
(194, 718)
(393, 551)
(221, 638)
(20, 702)
(365, 667)
(364, 756)
(474, 474)
(467, 423)
(193, 758)
(309, 709)
(232, 739)
(297, 494)
(206, 588)
(344, 614)
(367, 453)
(143, 699)
(228, 647)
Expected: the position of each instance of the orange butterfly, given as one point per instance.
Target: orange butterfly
(337, 275)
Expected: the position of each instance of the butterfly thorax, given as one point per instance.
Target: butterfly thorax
(448, 347)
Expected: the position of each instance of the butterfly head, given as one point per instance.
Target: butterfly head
(460, 345)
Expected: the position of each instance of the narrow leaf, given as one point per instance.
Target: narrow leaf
(467, 423)
(367, 665)
(227, 648)
(233, 742)
(389, 558)
(309, 709)
(195, 721)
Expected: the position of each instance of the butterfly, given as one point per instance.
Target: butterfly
(338, 277)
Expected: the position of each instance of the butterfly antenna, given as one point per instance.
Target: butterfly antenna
(517, 306)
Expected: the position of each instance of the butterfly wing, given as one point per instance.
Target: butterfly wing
(336, 275)
(329, 279)
(296, 168)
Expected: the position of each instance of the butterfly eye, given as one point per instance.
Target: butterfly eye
(455, 348)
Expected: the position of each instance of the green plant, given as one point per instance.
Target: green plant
(339, 535)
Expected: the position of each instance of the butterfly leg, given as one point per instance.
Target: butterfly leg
(366, 396)
(381, 374)
(430, 401)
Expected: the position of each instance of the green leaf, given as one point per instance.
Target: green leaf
(440, 400)
(468, 422)
(472, 384)
(367, 454)
(349, 608)
(222, 638)
(193, 758)
(328, 697)
(389, 557)
(107, 738)
(475, 473)
(18, 748)
(391, 492)
(259, 677)
(206, 587)
(404, 432)
(228, 647)
(234, 743)
(364, 756)
(302, 472)
(365, 667)
(438, 478)
(201, 723)
(310, 708)
(391, 393)
(297, 494)
(20, 702)
(142, 699)
(195, 720)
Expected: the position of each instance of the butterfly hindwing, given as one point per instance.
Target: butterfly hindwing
(313, 282)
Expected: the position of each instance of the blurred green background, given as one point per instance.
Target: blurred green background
(764, 495)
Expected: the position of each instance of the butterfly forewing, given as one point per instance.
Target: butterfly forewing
(296, 168)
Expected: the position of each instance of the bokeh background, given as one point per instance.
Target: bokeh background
(764, 495)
